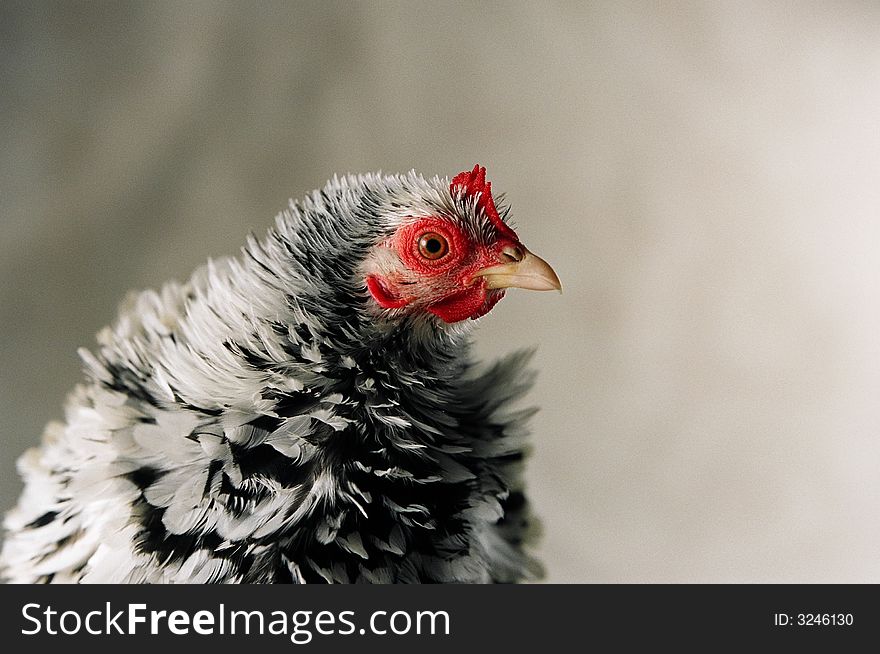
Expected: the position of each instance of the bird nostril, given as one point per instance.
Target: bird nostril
(512, 253)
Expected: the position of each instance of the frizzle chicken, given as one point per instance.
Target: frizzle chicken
(308, 412)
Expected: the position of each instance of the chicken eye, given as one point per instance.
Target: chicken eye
(433, 246)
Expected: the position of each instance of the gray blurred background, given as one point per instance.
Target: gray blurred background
(704, 177)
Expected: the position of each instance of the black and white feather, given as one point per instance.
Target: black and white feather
(264, 422)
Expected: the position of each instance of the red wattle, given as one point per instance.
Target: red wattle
(490, 302)
(460, 306)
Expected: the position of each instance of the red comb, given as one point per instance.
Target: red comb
(474, 182)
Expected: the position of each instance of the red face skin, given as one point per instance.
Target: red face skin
(442, 285)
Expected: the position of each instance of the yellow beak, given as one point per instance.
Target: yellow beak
(525, 270)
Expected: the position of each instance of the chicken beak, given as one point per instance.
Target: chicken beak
(525, 270)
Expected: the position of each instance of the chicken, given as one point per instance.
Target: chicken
(307, 412)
